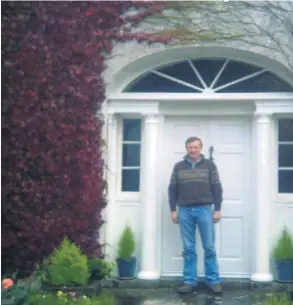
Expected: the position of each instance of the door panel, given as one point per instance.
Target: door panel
(231, 139)
(176, 132)
(232, 143)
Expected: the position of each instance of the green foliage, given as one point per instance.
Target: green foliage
(19, 292)
(100, 268)
(68, 299)
(283, 299)
(283, 250)
(42, 271)
(67, 265)
(16, 294)
(126, 245)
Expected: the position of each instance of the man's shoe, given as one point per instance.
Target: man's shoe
(186, 289)
(215, 288)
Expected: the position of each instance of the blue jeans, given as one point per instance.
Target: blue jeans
(202, 216)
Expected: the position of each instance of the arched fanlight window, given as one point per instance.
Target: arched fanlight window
(209, 76)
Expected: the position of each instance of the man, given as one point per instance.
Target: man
(194, 187)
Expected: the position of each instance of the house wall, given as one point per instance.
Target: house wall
(258, 45)
(129, 59)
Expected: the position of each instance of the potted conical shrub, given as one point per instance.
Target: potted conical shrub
(126, 262)
(283, 255)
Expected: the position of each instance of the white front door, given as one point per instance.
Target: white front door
(231, 140)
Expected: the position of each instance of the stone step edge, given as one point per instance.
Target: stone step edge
(230, 284)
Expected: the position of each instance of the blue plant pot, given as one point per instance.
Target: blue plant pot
(126, 268)
(285, 270)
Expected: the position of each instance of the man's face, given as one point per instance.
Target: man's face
(194, 150)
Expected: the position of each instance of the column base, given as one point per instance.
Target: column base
(262, 277)
(148, 275)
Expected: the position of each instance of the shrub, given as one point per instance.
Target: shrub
(283, 250)
(68, 266)
(52, 166)
(126, 245)
(68, 299)
(100, 268)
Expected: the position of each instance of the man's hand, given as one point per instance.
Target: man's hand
(174, 217)
(216, 216)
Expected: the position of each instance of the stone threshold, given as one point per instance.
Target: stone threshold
(172, 283)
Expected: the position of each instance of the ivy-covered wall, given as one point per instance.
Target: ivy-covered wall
(52, 168)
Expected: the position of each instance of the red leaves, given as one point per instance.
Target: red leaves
(90, 12)
(52, 169)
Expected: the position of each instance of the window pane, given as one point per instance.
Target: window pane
(286, 130)
(286, 181)
(264, 82)
(130, 180)
(285, 155)
(182, 71)
(235, 70)
(131, 155)
(208, 68)
(154, 83)
(131, 130)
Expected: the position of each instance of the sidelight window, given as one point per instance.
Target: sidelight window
(285, 155)
(131, 147)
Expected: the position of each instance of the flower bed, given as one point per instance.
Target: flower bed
(67, 276)
(72, 298)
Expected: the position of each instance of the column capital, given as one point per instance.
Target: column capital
(111, 118)
(262, 117)
(151, 118)
(276, 106)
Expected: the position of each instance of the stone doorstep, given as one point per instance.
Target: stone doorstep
(171, 283)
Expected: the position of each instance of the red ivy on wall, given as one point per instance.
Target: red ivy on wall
(52, 168)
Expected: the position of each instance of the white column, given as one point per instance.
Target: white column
(111, 174)
(149, 206)
(263, 199)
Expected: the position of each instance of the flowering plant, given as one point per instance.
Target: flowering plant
(12, 292)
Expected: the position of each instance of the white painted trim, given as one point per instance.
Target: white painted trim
(276, 107)
(111, 179)
(262, 277)
(284, 198)
(263, 207)
(147, 98)
(127, 107)
(201, 108)
(161, 148)
(149, 205)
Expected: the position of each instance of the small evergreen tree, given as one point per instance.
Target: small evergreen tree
(126, 245)
(67, 265)
(283, 250)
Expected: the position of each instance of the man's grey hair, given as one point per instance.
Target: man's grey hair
(193, 139)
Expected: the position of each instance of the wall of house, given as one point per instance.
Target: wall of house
(132, 54)
(251, 23)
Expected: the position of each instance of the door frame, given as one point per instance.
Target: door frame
(203, 114)
(257, 106)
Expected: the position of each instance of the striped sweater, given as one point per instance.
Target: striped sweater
(195, 185)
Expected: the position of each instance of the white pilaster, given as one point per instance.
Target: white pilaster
(263, 199)
(149, 206)
(111, 180)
